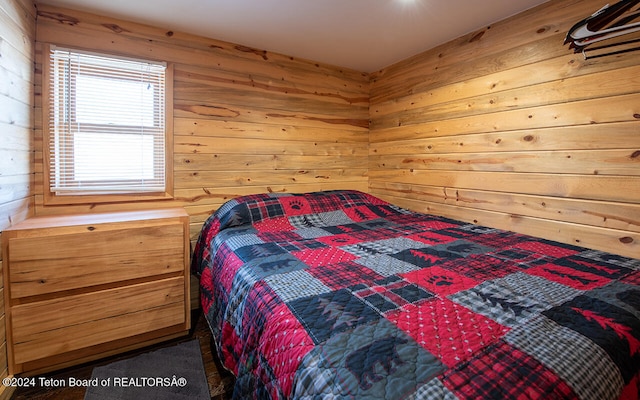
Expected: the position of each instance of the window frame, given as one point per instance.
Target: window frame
(51, 197)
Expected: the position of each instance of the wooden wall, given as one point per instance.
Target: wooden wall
(17, 33)
(245, 121)
(508, 128)
(504, 126)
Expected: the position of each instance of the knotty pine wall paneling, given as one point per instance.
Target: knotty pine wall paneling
(508, 128)
(17, 35)
(244, 121)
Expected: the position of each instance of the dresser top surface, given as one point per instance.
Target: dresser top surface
(97, 218)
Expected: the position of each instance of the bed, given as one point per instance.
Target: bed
(339, 294)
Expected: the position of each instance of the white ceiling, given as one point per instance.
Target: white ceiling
(365, 35)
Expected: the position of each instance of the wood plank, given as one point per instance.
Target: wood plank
(593, 111)
(596, 162)
(223, 162)
(14, 187)
(13, 161)
(240, 162)
(324, 161)
(15, 112)
(230, 112)
(15, 86)
(217, 128)
(213, 145)
(15, 210)
(595, 187)
(622, 216)
(16, 138)
(263, 178)
(608, 240)
(412, 140)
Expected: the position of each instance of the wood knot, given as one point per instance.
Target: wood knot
(61, 18)
(636, 116)
(626, 240)
(477, 36)
(169, 34)
(246, 49)
(115, 28)
(91, 228)
(635, 154)
(528, 138)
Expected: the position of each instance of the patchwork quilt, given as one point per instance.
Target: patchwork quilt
(342, 295)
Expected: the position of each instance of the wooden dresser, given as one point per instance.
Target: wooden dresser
(81, 287)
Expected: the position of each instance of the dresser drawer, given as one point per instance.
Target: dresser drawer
(51, 327)
(101, 254)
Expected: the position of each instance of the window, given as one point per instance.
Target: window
(106, 128)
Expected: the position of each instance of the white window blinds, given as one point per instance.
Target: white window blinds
(106, 124)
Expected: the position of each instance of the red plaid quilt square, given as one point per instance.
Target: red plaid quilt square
(345, 274)
(283, 358)
(481, 267)
(547, 249)
(274, 225)
(448, 330)
(504, 372)
(325, 256)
